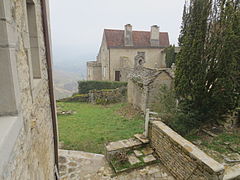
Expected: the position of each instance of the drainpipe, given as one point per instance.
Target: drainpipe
(50, 81)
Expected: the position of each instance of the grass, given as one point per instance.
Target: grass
(221, 142)
(91, 126)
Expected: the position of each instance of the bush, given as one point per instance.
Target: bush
(165, 104)
(85, 86)
(179, 117)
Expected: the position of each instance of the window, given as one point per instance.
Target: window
(33, 37)
(104, 72)
(117, 75)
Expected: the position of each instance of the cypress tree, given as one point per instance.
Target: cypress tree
(207, 73)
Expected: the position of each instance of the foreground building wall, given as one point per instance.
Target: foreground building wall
(26, 137)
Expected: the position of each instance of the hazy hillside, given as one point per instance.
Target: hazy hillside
(66, 75)
(65, 82)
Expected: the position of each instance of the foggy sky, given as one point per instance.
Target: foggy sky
(77, 25)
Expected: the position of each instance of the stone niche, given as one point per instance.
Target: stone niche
(144, 84)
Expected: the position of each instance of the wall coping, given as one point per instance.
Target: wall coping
(190, 148)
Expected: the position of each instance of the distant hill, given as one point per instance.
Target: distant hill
(65, 83)
(66, 75)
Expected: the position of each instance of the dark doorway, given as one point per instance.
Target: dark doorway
(117, 75)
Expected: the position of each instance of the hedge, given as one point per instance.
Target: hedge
(85, 86)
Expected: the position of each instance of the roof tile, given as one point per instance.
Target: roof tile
(141, 39)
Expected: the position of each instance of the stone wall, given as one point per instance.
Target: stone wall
(33, 154)
(183, 159)
(107, 96)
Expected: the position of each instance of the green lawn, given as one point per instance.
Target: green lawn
(93, 125)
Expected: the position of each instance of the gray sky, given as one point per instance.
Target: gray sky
(77, 25)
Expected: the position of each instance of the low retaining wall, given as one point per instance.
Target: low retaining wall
(107, 96)
(183, 159)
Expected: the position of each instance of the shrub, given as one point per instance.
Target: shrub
(85, 86)
(180, 117)
(165, 104)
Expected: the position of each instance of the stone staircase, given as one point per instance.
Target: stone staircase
(126, 155)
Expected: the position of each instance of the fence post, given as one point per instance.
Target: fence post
(146, 123)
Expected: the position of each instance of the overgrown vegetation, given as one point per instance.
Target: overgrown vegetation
(85, 86)
(208, 66)
(91, 126)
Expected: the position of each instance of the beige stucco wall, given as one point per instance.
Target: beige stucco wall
(94, 71)
(122, 59)
(103, 58)
(32, 156)
(153, 57)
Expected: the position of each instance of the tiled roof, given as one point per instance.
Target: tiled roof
(141, 39)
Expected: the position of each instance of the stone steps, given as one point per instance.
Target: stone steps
(134, 153)
(123, 145)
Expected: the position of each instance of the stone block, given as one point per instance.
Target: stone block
(138, 153)
(133, 159)
(149, 158)
(147, 151)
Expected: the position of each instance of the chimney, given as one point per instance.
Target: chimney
(154, 39)
(128, 40)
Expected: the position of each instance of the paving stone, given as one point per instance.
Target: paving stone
(138, 153)
(133, 159)
(62, 159)
(62, 168)
(71, 170)
(147, 151)
(126, 143)
(142, 138)
(96, 167)
(73, 164)
(149, 158)
(232, 172)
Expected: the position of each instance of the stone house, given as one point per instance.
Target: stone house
(28, 135)
(119, 48)
(144, 84)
